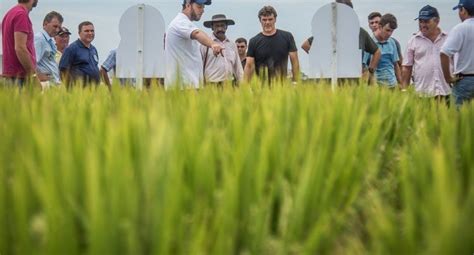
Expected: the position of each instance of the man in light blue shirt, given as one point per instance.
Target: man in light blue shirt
(46, 66)
(109, 65)
(388, 71)
(460, 46)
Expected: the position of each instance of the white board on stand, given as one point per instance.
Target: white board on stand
(140, 53)
(335, 49)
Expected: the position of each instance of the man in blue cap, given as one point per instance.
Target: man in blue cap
(422, 60)
(460, 45)
(182, 53)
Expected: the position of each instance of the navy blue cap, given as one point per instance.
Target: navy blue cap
(205, 2)
(428, 12)
(468, 4)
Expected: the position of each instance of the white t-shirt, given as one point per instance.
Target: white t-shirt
(183, 56)
(460, 44)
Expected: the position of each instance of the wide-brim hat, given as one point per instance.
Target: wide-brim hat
(218, 18)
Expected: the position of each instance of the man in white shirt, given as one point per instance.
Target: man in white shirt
(422, 57)
(46, 66)
(460, 45)
(182, 54)
(223, 68)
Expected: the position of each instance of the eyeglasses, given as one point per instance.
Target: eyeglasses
(240, 47)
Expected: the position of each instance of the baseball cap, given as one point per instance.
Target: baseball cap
(468, 4)
(205, 2)
(64, 31)
(428, 12)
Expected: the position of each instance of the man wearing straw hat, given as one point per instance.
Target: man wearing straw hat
(182, 54)
(226, 67)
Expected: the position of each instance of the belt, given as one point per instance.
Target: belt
(465, 75)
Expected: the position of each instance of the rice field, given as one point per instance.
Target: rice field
(253, 170)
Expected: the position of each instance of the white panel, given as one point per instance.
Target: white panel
(128, 52)
(349, 56)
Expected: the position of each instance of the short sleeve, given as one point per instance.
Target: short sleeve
(395, 56)
(184, 29)
(111, 61)
(453, 43)
(366, 43)
(251, 48)
(66, 59)
(410, 53)
(22, 23)
(39, 47)
(292, 43)
(399, 48)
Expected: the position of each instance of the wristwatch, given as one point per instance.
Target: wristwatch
(371, 70)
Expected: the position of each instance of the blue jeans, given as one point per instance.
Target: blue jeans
(463, 90)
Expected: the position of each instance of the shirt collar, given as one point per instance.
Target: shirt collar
(214, 38)
(441, 35)
(46, 35)
(24, 7)
(469, 20)
(79, 42)
(183, 16)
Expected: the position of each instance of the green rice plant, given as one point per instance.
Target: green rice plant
(250, 170)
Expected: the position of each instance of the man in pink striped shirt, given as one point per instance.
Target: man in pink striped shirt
(422, 57)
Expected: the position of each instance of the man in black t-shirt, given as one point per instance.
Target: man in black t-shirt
(269, 50)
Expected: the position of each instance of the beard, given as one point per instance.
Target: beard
(35, 3)
(194, 16)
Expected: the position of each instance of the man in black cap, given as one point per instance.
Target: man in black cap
(183, 58)
(226, 67)
(460, 44)
(422, 57)
(62, 41)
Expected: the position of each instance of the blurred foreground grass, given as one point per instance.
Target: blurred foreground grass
(287, 170)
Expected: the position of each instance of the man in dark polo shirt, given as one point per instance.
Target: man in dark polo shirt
(80, 60)
(269, 50)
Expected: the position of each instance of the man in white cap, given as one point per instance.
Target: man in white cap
(223, 68)
(460, 45)
(182, 53)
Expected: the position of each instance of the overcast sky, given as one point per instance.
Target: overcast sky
(293, 15)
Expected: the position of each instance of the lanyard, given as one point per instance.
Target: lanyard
(50, 42)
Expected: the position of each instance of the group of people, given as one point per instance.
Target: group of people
(436, 62)
(46, 58)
